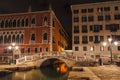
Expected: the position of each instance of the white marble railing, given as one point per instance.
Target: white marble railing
(40, 56)
(27, 58)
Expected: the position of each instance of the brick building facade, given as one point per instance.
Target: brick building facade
(33, 32)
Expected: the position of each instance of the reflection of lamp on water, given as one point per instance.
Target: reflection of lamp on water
(110, 47)
(63, 68)
(13, 47)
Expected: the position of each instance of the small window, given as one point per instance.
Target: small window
(47, 49)
(107, 17)
(84, 19)
(45, 36)
(33, 21)
(91, 18)
(84, 11)
(76, 19)
(84, 29)
(76, 49)
(22, 50)
(84, 48)
(90, 10)
(118, 48)
(75, 11)
(100, 18)
(40, 49)
(76, 29)
(116, 8)
(36, 50)
(33, 37)
(5, 50)
(90, 38)
(28, 50)
(101, 38)
(76, 39)
(106, 8)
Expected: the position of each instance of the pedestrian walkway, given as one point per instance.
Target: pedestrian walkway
(86, 73)
(108, 72)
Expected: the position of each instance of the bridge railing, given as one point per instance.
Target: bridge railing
(47, 55)
(27, 58)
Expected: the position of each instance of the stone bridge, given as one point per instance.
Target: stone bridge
(38, 59)
(69, 62)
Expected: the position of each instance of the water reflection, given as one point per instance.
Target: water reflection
(37, 74)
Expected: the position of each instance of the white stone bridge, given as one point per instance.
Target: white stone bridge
(38, 59)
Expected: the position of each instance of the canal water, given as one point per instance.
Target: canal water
(47, 73)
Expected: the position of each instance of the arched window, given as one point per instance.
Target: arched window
(45, 36)
(14, 23)
(17, 39)
(6, 23)
(18, 23)
(2, 24)
(9, 39)
(26, 22)
(13, 38)
(1, 39)
(45, 20)
(5, 39)
(33, 37)
(33, 21)
(21, 39)
(10, 23)
(22, 23)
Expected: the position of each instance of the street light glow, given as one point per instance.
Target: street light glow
(110, 39)
(116, 43)
(10, 47)
(13, 44)
(16, 47)
(104, 43)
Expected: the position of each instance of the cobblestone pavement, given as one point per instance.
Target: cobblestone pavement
(107, 72)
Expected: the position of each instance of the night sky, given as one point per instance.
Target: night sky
(60, 7)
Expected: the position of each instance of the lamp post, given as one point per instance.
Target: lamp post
(13, 47)
(110, 47)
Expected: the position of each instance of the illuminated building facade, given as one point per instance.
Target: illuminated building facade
(33, 32)
(94, 23)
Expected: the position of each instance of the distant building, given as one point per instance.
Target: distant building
(94, 23)
(33, 32)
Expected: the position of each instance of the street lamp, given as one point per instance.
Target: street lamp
(110, 47)
(13, 47)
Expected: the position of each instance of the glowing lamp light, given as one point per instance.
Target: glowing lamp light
(10, 47)
(115, 43)
(110, 39)
(104, 43)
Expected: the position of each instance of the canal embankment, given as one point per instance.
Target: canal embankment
(82, 73)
